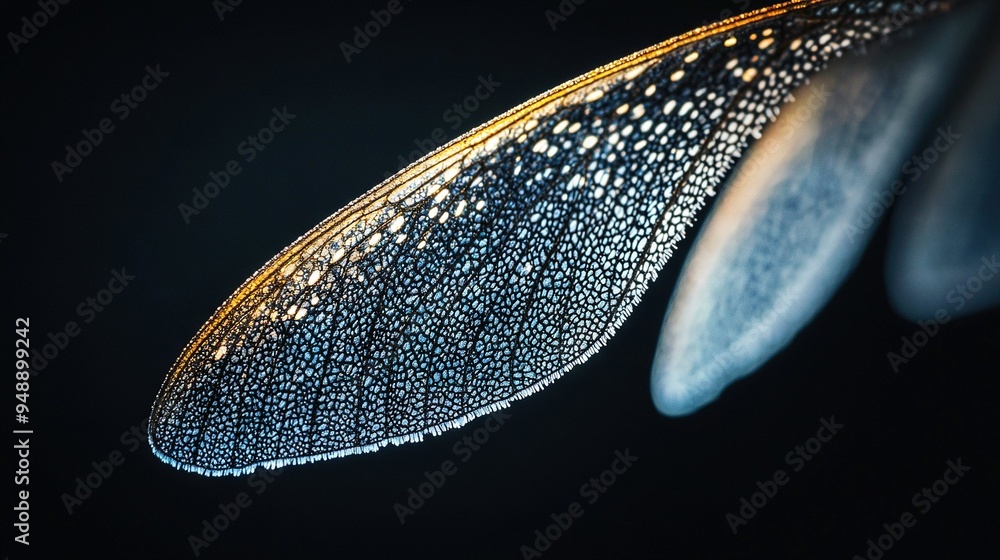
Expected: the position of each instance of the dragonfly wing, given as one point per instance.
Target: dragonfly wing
(798, 213)
(494, 265)
(944, 238)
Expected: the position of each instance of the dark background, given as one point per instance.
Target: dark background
(119, 208)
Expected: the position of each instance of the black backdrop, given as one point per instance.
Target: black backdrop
(119, 209)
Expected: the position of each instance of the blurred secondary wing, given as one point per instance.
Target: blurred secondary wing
(492, 266)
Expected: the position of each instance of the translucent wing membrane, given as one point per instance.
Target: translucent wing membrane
(783, 235)
(494, 265)
(959, 196)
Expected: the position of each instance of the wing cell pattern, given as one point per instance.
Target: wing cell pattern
(491, 267)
